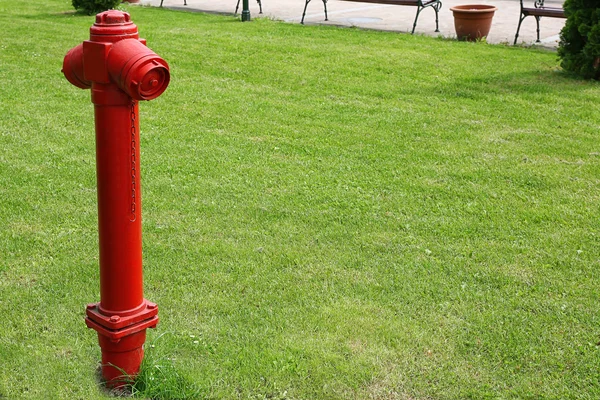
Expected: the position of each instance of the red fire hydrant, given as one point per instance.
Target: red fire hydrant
(116, 64)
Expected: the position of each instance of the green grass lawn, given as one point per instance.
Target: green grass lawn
(328, 214)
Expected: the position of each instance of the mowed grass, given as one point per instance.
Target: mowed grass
(328, 214)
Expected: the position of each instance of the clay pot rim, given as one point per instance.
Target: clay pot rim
(474, 8)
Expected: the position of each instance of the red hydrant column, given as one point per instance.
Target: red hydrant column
(120, 70)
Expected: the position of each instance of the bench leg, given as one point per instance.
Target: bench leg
(437, 10)
(519, 28)
(303, 13)
(306, 5)
(259, 6)
(537, 20)
(419, 9)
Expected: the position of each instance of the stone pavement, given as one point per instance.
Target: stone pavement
(390, 17)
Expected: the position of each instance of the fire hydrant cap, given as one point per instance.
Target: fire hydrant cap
(113, 23)
(137, 70)
(73, 68)
(112, 17)
(149, 80)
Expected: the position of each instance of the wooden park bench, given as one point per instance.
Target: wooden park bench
(538, 11)
(420, 4)
(236, 7)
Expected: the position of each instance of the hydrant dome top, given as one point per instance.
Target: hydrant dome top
(112, 17)
(113, 23)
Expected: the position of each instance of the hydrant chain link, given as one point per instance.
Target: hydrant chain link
(120, 70)
(133, 169)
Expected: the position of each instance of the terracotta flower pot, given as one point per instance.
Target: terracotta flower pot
(472, 22)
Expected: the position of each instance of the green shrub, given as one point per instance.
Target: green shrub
(579, 46)
(91, 7)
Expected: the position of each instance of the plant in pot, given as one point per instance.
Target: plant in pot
(473, 22)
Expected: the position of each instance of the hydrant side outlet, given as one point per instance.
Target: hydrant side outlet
(120, 70)
(138, 71)
(73, 68)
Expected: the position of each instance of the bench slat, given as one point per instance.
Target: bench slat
(395, 2)
(414, 3)
(545, 12)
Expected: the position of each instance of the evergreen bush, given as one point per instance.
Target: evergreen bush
(91, 7)
(579, 47)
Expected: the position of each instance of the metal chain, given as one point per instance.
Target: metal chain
(133, 162)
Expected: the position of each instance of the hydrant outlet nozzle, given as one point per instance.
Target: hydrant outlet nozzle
(137, 70)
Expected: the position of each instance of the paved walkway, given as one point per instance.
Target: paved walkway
(389, 17)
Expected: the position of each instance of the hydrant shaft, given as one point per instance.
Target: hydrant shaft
(119, 207)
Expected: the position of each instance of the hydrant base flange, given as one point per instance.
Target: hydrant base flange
(118, 326)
